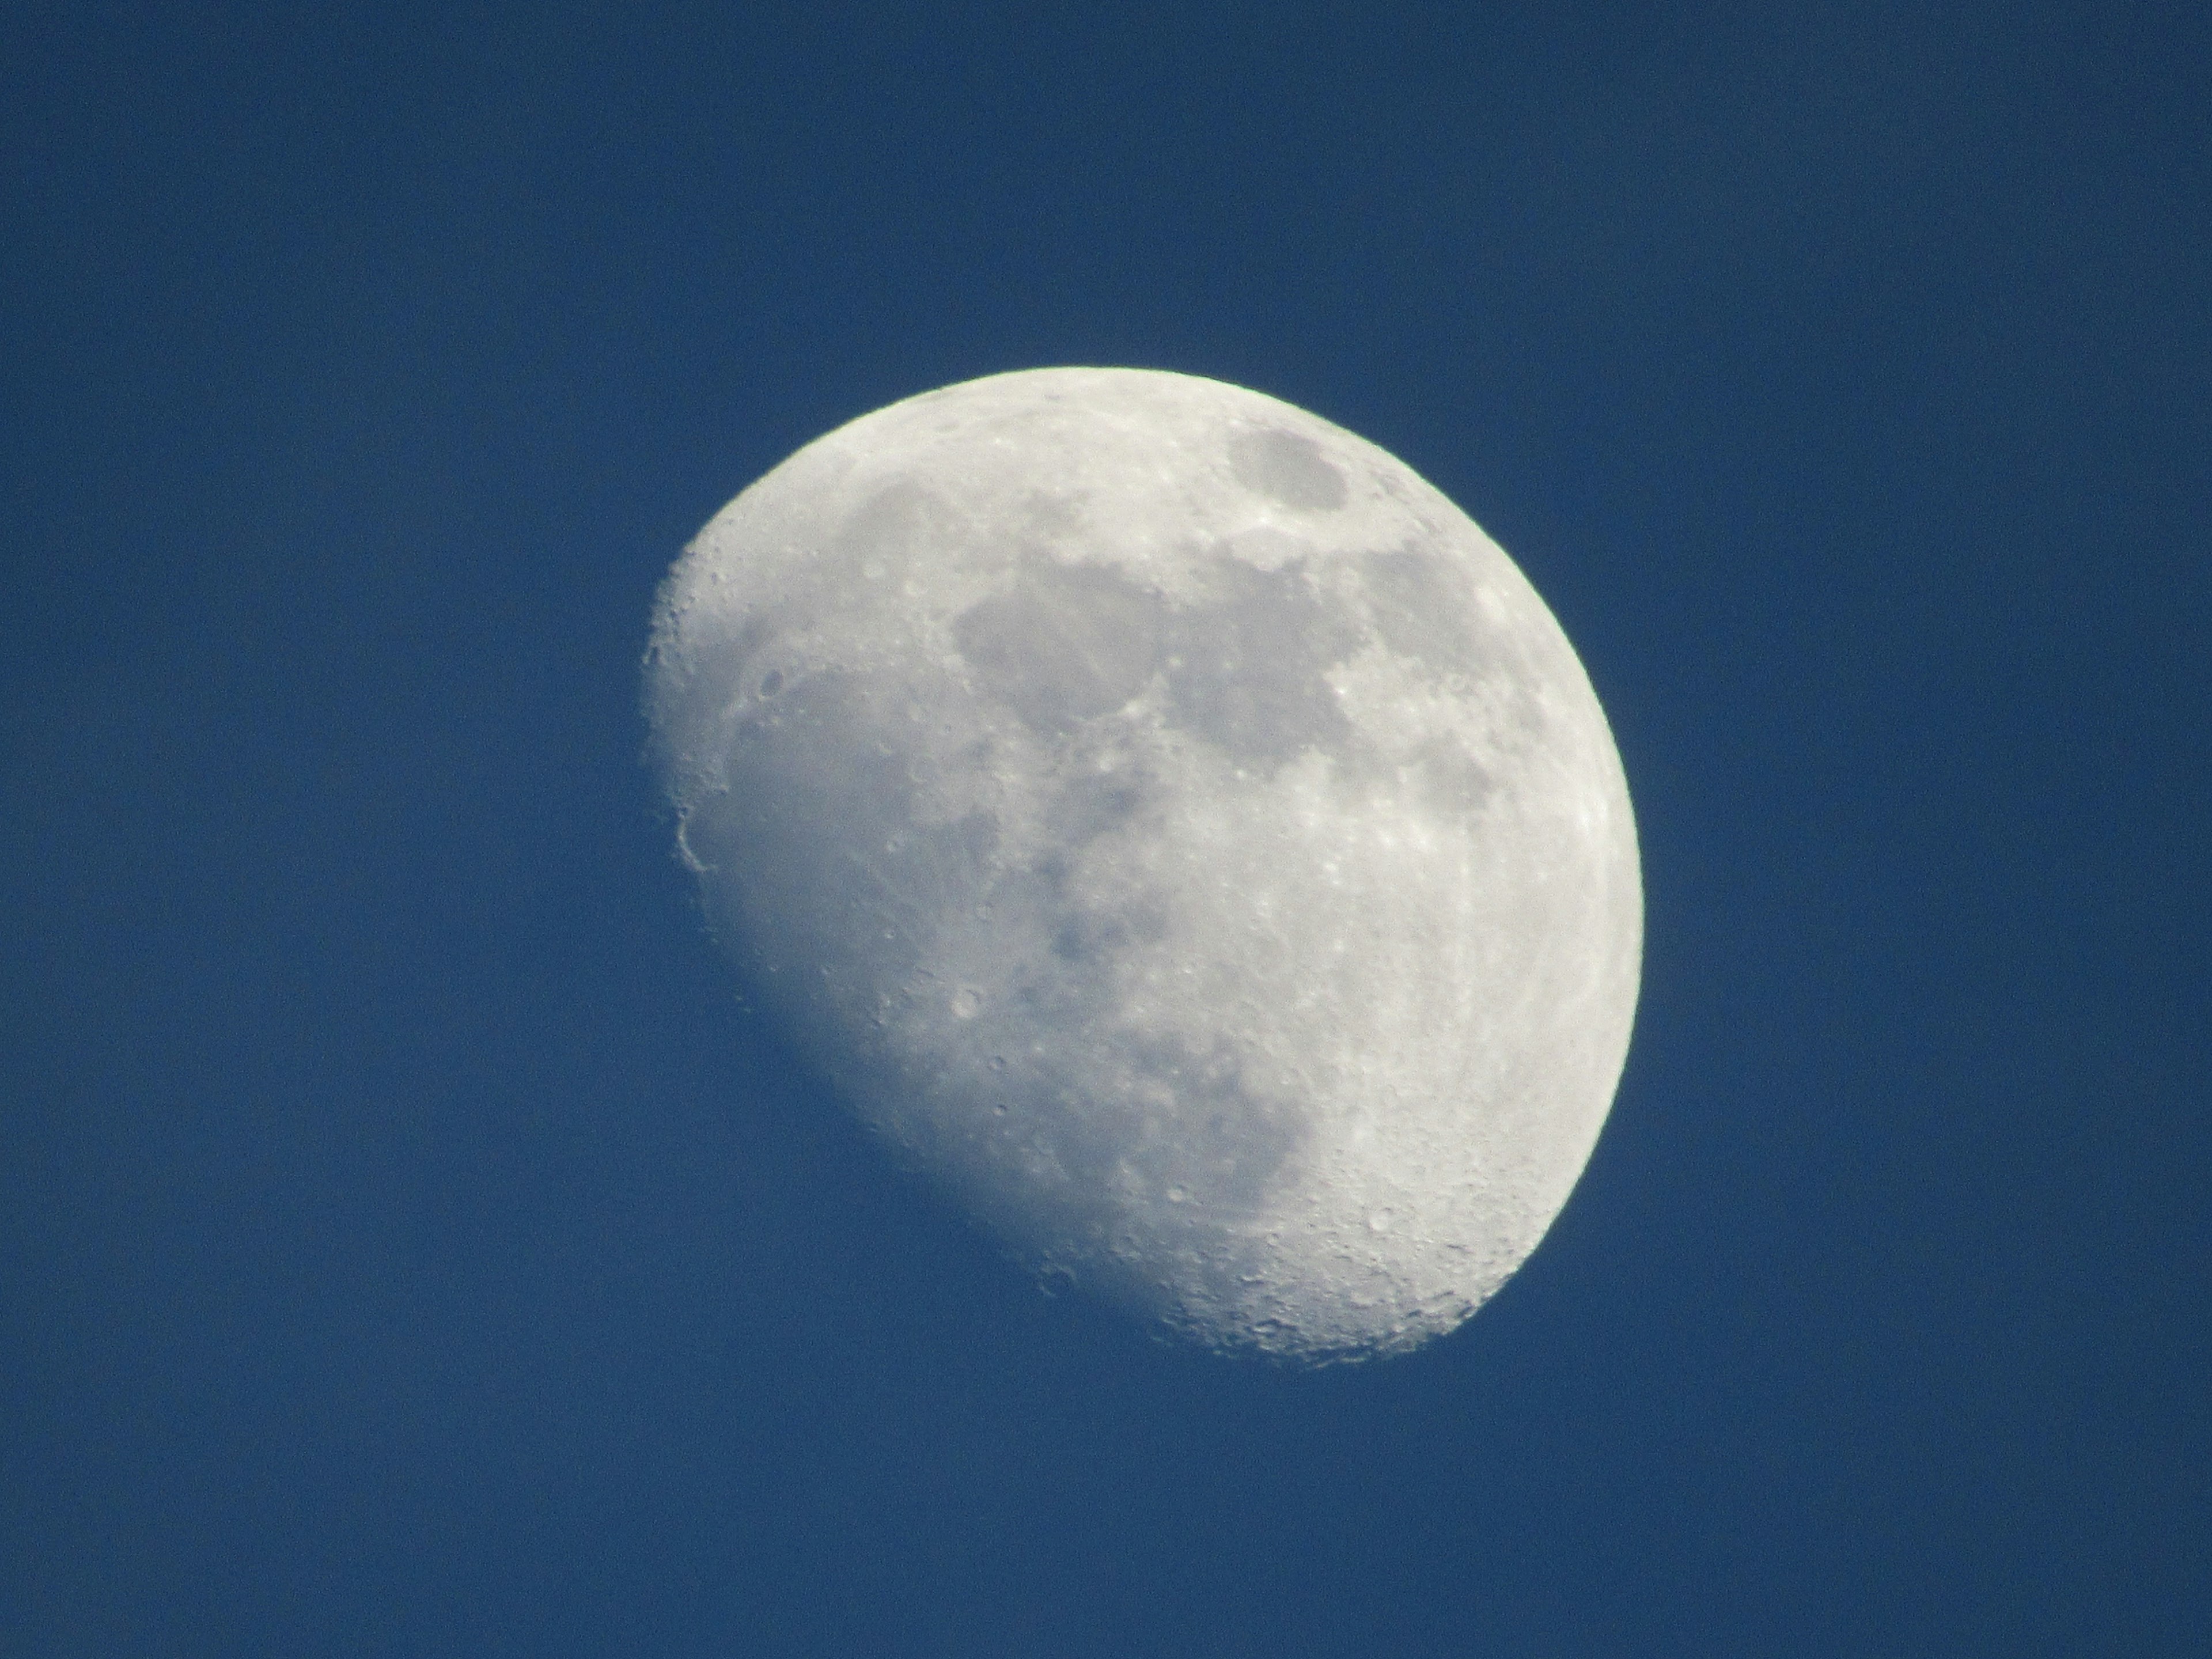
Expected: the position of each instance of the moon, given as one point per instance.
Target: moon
(1175, 828)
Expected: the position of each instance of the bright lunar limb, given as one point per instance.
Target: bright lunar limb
(1177, 828)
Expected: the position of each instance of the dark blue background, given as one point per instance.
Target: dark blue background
(406, 1246)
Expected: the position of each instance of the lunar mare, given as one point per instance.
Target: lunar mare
(1177, 828)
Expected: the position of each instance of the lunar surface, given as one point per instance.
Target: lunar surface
(1176, 829)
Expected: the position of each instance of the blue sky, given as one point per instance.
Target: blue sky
(408, 1245)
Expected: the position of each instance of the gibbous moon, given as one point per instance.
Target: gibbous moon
(1176, 828)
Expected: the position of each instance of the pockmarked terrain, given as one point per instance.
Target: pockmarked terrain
(1177, 828)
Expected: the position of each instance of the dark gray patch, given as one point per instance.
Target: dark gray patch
(1089, 937)
(1286, 467)
(1091, 803)
(1424, 607)
(1247, 670)
(887, 533)
(1450, 779)
(1068, 644)
(1084, 939)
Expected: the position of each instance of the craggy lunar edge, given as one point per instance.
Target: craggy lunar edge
(1176, 827)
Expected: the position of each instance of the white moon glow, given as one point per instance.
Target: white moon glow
(1178, 829)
